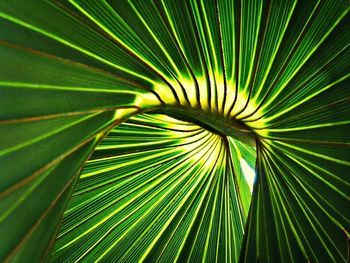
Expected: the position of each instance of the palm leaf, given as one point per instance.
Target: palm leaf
(128, 131)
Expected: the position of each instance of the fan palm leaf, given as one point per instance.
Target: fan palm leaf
(129, 131)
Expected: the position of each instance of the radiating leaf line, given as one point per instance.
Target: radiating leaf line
(67, 43)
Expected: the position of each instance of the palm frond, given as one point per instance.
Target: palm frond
(128, 130)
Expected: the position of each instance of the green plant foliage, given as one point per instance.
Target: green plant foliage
(91, 168)
(156, 189)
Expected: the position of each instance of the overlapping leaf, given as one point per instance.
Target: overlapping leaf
(156, 189)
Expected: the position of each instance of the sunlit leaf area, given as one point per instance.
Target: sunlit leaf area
(174, 131)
